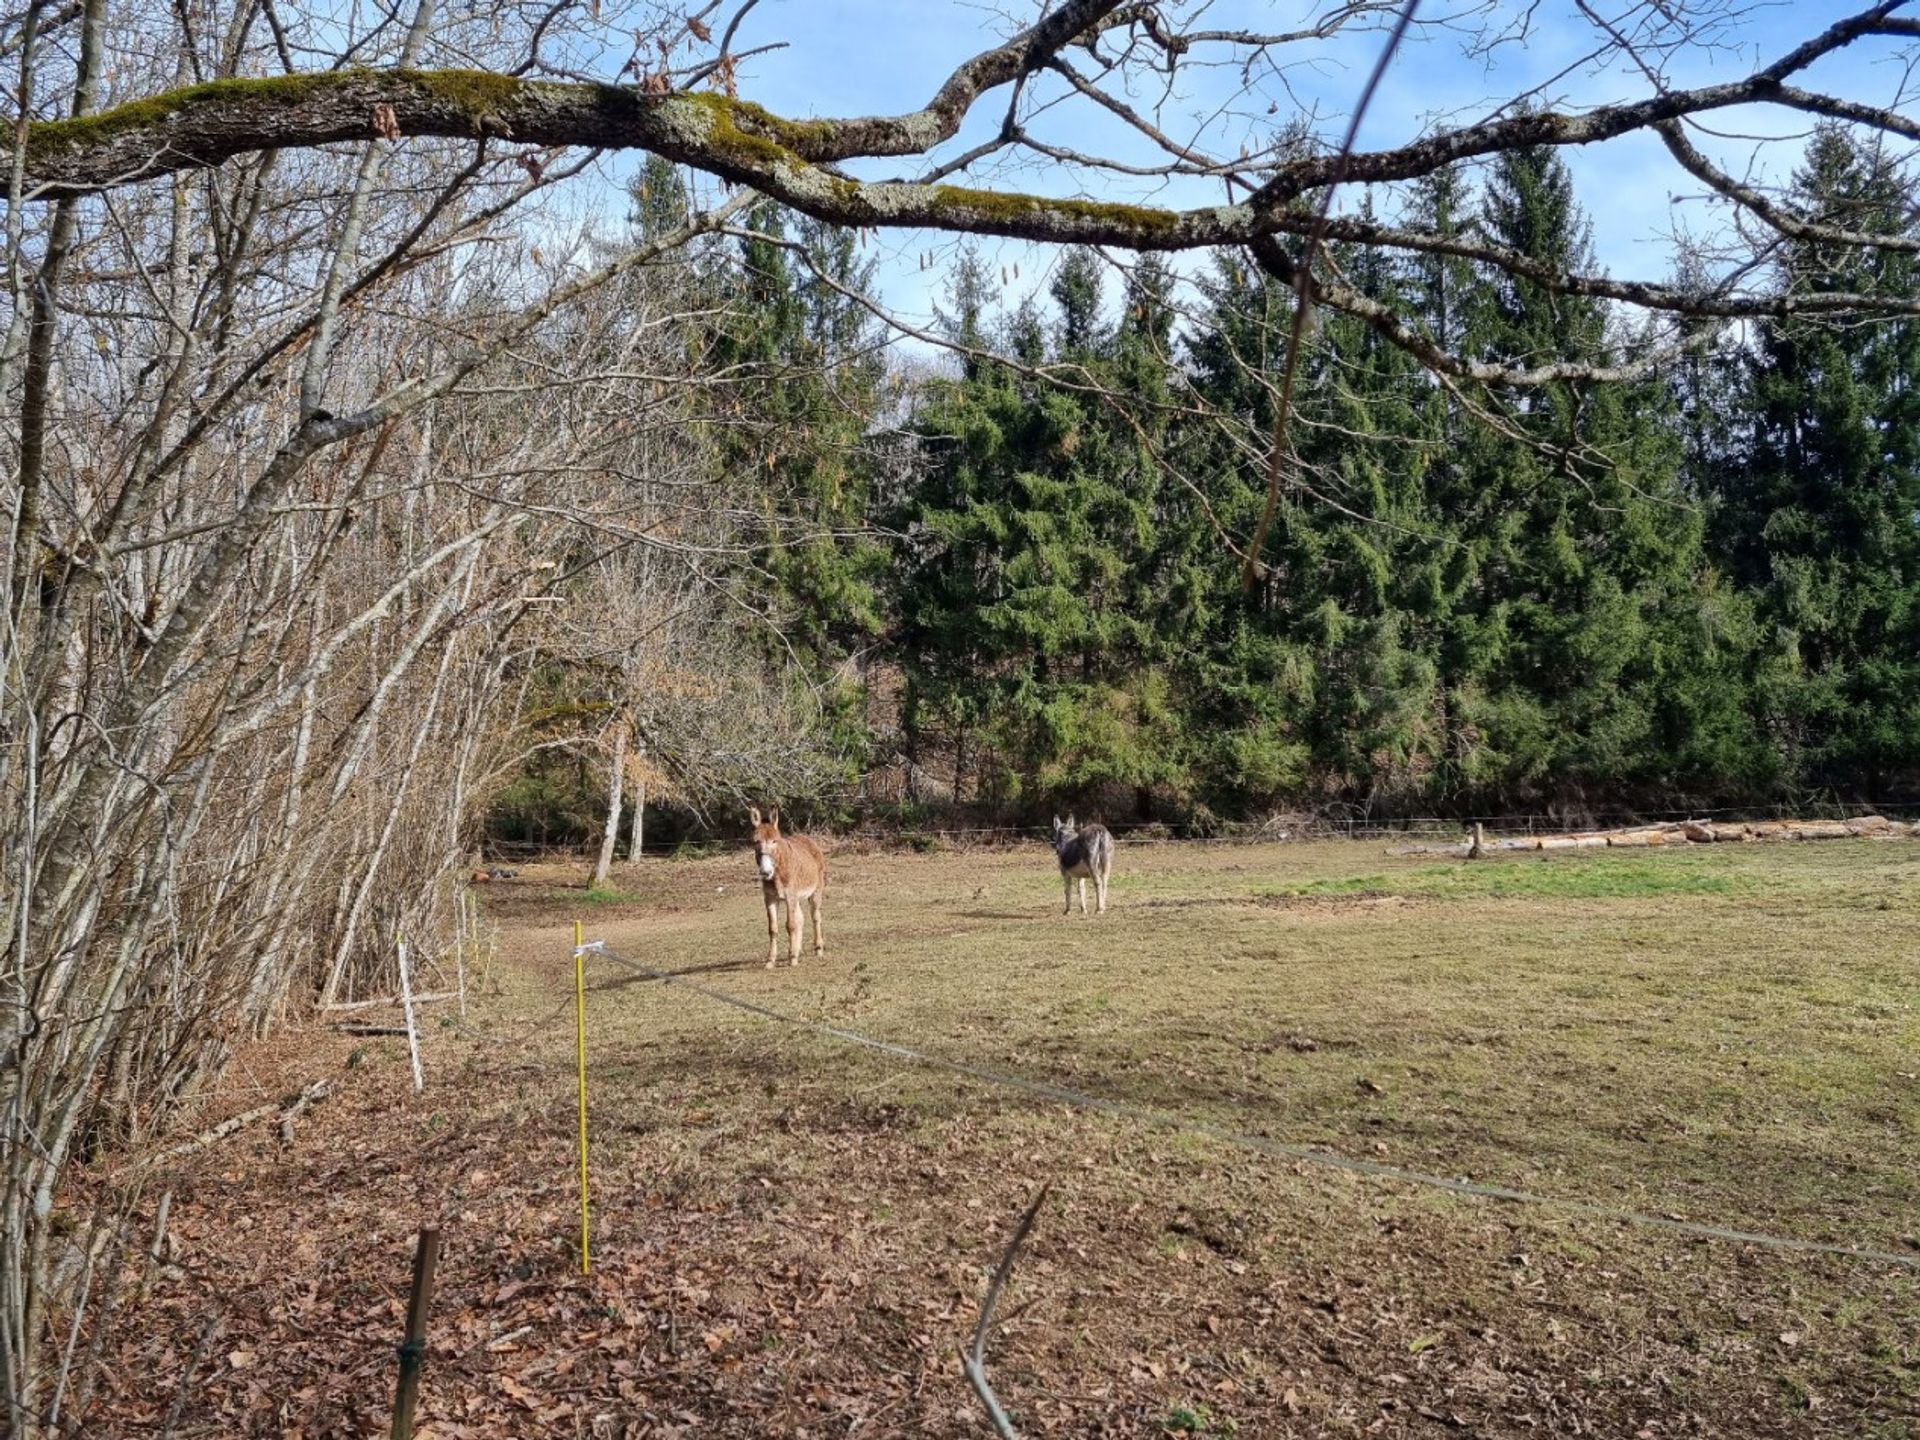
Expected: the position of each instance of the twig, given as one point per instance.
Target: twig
(974, 1362)
(185, 1389)
(157, 1254)
(318, 1090)
(460, 899)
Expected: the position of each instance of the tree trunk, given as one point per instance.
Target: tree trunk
(612, 832)
(636, 839)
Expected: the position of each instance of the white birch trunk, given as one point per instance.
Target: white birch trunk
(637, 838)
(604, 865)
(406, 1005)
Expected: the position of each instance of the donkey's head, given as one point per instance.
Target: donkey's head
(766, 840)
(1063, 831)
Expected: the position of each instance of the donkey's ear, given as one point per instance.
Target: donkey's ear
(1070, 824)
(1056, 822)
(753, 814)
(773, 817)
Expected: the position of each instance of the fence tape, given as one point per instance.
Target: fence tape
(1166, 1120)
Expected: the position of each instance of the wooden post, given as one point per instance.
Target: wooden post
(406, 1005)
(580, 1048)
(1479, 846)
(413, 1349)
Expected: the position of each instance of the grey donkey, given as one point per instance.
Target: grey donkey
(1084, 854)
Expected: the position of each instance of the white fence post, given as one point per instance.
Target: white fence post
(406, 1004)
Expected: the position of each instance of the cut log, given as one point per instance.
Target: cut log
(437, 995)
(1695, 832)
(318, 1090)
(1817, 830)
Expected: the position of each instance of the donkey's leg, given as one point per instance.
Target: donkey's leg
(773, 931)
(1100, 888)
(819, 935)
(1083, 895)
(796, 929)
(1068, 879)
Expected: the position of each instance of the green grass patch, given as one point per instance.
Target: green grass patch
(612, 895)
(1586, 877)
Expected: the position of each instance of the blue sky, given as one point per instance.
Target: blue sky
(848, 57)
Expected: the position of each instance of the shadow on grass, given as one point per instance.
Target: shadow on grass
(626, 979)
(1784, 1182)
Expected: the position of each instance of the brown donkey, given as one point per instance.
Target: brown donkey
(791, 869)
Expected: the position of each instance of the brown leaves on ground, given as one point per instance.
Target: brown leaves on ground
(792, 1240)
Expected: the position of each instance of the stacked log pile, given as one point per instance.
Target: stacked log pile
(1688, 832)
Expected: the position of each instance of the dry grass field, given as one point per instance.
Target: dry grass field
(792, 1234)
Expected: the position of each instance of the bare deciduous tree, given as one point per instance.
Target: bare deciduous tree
(316, 442)
(304, 454)
(1101, 53)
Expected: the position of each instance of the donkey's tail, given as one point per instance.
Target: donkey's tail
(1100, 851)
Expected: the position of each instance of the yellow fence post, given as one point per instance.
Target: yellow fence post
(580, 1045)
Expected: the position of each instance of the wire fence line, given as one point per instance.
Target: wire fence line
(1307, 826)
(1332, 1160)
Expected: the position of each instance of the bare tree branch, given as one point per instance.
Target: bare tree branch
(974, 1361)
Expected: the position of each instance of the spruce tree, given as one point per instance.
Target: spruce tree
(1576, 615)
(808, 373)
(1027, 619)
(1816, 513)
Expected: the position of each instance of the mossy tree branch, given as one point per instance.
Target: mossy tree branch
(795, 161)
